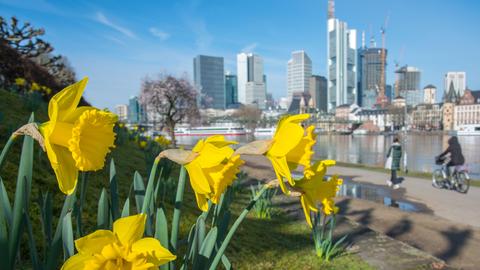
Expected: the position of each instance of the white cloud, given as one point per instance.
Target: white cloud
(101, 18)
(159, 33)
(116, 40)
(250, 47)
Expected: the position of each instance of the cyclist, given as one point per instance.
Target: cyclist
(454, 151)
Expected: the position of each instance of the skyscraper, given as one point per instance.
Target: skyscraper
(231, 90)
(209, 79)
(409, 85)
(299, 71)
(136, 113)
(251, 80)
(318, 92)
(370, 75)
(342, 62)
(459, 80)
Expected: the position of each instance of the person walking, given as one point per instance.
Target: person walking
(395, 155)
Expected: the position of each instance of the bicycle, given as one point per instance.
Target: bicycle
(459, 179)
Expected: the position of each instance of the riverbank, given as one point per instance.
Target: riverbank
(447, 224)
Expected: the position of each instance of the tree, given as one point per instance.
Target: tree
(249, 116)
(24, 38)
(172, 99)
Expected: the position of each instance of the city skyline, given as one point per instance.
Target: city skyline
(116, 46)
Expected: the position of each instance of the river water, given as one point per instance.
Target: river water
(371, 149)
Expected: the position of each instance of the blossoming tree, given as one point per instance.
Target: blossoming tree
(172, 99)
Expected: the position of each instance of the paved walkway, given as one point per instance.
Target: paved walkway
(448, 226)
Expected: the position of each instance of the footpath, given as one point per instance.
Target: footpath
(445, 226)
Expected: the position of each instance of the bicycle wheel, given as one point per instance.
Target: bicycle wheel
(463, 182)
(438, 179)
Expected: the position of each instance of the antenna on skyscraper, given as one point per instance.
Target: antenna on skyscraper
(331, 9)
(363, 39)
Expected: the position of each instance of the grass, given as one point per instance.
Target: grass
(420, 175)
(279, 243)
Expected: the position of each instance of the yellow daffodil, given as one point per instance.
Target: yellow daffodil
(315, 189)
(124, 248)
(143, 144)
(292, 146)
(76, 138)
(20, 81)
(213, 169)
(35, 87)
(121, 125)
(161, 140)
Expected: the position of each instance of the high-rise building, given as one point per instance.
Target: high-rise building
(251, 80)
(318, 92)
(429, 93)
(122, 111)
(299, 71)
(136, 113)
(459, 80)
(409, 85)
(231, 90)
(370, 75)
(342, 62)
(209, 78)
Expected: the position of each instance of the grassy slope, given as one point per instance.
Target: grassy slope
(279, 243)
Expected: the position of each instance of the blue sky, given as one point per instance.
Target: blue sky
(117, 43)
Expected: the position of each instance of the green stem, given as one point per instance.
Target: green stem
(178, 205)
(234, 228)
(6, 148)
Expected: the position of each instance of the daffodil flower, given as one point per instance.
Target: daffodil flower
(315, 189)
(124, 248)
(76, 138)
(213, 169)
(292, 146)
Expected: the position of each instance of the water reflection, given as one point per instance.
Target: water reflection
(371, 149)
(376, 194)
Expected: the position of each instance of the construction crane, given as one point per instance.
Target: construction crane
(382, 100)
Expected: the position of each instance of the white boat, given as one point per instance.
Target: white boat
(264, 131)
(466, 130)
(209, 131)
(360, 132)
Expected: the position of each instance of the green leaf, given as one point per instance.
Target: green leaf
(206, 250)
(126, 208)
(150, 189)
(31, 243)
(5, 204)
(55, 248)
(114, 192)
(138, 191)
(67, 236)
(103, 216)
(4, 260)
(226, 262)
(201, 229)
(161, 232)
(22, 194)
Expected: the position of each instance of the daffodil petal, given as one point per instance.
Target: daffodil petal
(306, 210)
(197, 178)
(154, 251)
(65, 170)
(94, 242)
(281, 168)
(76, 262)
(201, 202)
(67, 99)
(129, 229)
(72, 117)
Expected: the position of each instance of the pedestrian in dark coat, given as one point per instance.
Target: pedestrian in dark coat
(395, 152)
